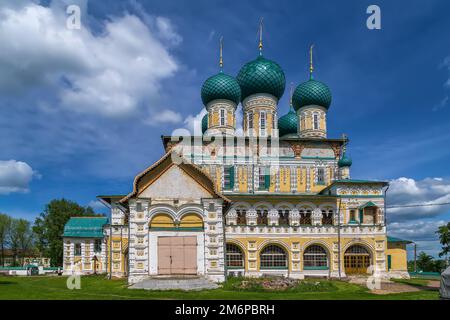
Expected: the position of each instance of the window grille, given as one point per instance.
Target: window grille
(273, 256)
(305, 217)
(235, 257)
(262, 217)
(315, 256)
(283, 217)
(327, 217)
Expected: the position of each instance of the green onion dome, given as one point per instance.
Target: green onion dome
(288, 123)
(311, 92)
(261, 76)
(205, 123)
(345, 161)
(221, 86)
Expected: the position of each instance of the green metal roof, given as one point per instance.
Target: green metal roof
(345, 161)
(311, 92)
(205, 123)
(287, 124)
(398, 240)
(220, 86)
(368, 204)
(261, 76)
(85, 227)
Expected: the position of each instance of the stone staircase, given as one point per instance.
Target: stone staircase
(172, 283)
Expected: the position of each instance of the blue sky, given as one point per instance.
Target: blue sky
(82, 111)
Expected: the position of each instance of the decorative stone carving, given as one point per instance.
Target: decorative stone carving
(316, 217)
(294, 218)
(273, 217)
(231, 217)
(251, 217)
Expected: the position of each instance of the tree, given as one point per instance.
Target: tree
(49, 227)
(21, 238)
(444, 239)
(427, 263)
(424, 262)
(5, 227)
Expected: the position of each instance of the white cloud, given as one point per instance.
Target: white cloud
(111, 73)
(193, 123)
(167, 31)
(407, 191)
(15, 176)
(164, 117)
(423, 230)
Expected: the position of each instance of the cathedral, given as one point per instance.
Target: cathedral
(274, 197)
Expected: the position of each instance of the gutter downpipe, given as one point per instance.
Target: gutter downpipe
(385, 215)
(339, 238)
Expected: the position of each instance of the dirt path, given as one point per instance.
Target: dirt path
(387, 287)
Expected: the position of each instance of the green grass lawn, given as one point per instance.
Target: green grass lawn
(98, 287)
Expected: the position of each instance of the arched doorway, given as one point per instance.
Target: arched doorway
(273, 257)
(235, 256)
(356, 260)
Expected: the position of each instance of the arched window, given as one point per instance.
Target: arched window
(241, 216)
(273, 257)
(235, 257)
(262, 216)
(327, 217)
(357, 249)
(305, 217)
(315, 257)
(283, 217)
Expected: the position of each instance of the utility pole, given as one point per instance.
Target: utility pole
(415, 257)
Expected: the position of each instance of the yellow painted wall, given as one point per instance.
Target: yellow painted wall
(256, 122)
(191, 220)
(301, 180)
(215, 119)
(294, 247)
(242, 179)
(230, 119)
(162, 221)
(285, 179)
(398, 257)
(269, 123)
(123, 243)
(218, 179)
